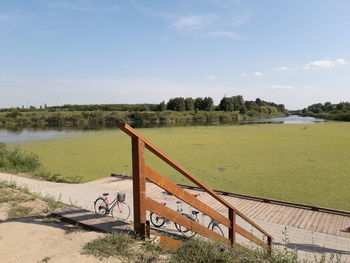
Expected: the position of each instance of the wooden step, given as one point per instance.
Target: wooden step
(92, 221)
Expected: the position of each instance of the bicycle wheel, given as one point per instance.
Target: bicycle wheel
(101, 206)
(186, 231)
(156, 220)
(121, 211)
(217, 229)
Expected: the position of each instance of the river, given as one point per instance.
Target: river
(25, 135)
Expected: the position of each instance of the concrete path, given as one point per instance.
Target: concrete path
(308, 243)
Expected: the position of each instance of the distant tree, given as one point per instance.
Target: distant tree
(177, 104)
(328, 107)
(162, 106)
(258, 101)
(189, 104)
(207, 104)
(238, 102)
(226, 104)
(198, 103)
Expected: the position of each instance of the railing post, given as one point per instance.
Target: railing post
(269, 244)
(139, 186)
(232, 230)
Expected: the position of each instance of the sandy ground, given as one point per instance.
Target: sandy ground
(40, 239)
(32, 240)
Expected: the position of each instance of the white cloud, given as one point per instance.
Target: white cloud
(320, 64)
(194, 22)
(227, 34)
(257, 74)
(125, 66)
(283, 69)
(341, 61)
(210, 77)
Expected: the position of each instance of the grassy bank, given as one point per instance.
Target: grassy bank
(82, 119)
(298, 163)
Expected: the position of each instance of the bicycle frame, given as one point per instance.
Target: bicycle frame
(111, 205)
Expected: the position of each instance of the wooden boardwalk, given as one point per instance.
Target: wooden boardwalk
(316, 221)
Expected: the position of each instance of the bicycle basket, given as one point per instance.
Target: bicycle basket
(121, 197)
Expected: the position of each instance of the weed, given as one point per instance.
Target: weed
(17, 211)
(74, 229)
(115, 244)
(45, 260)
(52, 203)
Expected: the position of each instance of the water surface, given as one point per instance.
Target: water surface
(25, 135)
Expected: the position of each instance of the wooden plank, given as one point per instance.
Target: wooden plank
(331, 225)
(287, 215)
(267, 213)
(317, 221)
(308, 217)
(335, 225)
(184, 221)
(310, 222)
(276, 213)
(168, 242)
(292, 220)
(185, 196)
(250, 236)
(156, 151)
(248, 207)
(92, 221)
(260, 210)
(338, 227)
(325, 220)
(302, 217)
(252, 208)
(139, 185)
(346, 224)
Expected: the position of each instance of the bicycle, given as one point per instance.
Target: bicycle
(159, 221)
(117, 208)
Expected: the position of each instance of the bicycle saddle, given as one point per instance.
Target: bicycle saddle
(195, 212)
(105, 194)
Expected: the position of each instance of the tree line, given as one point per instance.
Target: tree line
(176, 110)
(339, 111)
(234, 103)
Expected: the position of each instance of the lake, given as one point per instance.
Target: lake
(25, 135)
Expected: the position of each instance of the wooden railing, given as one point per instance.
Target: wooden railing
(142, 203)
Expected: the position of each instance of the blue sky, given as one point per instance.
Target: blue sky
(294, 52)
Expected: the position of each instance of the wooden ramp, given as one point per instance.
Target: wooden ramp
(299, 217)
(92, 221)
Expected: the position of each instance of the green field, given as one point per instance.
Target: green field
(300, 163)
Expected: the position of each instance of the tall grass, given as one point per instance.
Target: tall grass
(15, 160)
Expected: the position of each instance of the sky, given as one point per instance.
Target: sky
(55, 52)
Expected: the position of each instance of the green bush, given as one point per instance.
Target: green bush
(17, 160)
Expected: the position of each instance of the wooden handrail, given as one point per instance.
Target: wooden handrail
(137, 137)
(181, 220)
(185, 196)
